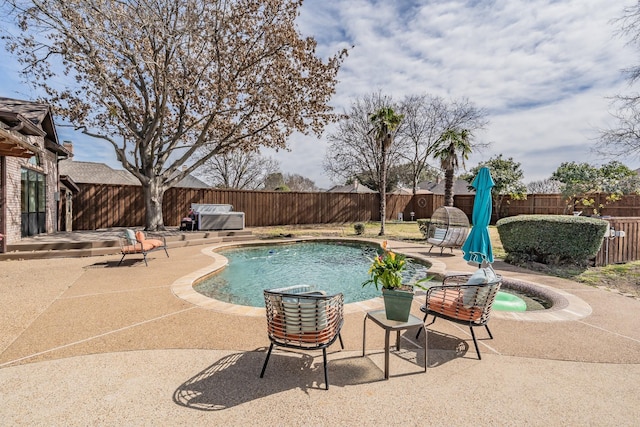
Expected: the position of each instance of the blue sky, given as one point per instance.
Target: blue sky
(543, 69)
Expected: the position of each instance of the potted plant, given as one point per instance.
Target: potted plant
(386, 271)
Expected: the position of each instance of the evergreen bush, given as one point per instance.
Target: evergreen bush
(423, 225)
(551, 239)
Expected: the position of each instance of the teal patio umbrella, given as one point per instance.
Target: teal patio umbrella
(477, 248)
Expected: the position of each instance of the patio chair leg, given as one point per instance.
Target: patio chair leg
(424, 320)
(475, 343)
(122, 259)
(144, 255)
(165, 251)
(326, 370)
(340, 338)
(487, 327)
(264, 367)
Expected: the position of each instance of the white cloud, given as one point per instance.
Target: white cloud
(542, 68)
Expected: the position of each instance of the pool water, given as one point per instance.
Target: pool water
(328, 266)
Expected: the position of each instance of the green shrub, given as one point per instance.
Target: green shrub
(423, 225)
(358, 227)
(551, 239)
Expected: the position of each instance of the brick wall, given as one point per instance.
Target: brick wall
(13, 209)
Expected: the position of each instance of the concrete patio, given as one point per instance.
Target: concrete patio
(85, 342)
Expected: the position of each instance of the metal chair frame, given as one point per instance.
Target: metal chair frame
(460, 303)
(302, 319)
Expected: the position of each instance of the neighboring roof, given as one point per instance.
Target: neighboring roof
(460, 186)
(356, 187)
(95, 173)
(191, 181)
(100, 173)
(409, 191)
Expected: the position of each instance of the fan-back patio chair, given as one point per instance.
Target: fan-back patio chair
(464, 299)
(300, 318)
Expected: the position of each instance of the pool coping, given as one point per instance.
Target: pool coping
(566, 306)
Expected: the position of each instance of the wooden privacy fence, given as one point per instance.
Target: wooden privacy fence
(616, 250)
(99, 206)
(102, 206)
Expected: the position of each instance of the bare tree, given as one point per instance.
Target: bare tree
(426, 118)
(275, 182)
(297, 182)
(623, 139)
(238, 170)
(353, 150)
(160, 79)
(544, 186)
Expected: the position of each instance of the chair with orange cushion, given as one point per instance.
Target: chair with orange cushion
(300, 318)
(139, 243)
(464, 299)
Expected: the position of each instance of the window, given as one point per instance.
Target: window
(33, 203)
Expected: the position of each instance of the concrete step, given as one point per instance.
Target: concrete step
(62, 245)
(61, 253)
(71, 249)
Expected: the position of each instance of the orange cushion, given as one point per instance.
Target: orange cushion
(140, 237)
(137, 248)
(449, 303)
(155, 242)
(277, 330)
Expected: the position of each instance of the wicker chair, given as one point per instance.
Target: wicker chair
(302, 319)
(448, 228)
(460, 302)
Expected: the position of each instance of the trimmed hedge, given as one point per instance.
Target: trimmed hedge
(551, 239)
(358, 228)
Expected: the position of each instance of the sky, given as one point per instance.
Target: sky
(544, 70)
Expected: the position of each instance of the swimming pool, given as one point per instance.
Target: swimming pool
(329, 266)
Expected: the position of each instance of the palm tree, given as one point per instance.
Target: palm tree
(449, 144)
(385, 121)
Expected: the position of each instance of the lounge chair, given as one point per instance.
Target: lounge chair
(302, 319)
(464, 299)
(139, 243)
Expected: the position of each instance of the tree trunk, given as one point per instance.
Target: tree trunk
(448, 187)
(153, 195)
(383, 190)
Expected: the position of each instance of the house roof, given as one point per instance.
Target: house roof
(460, 186)
(12, 144)
(95, 173)
(409, 192)
(31, 118)
(356, 187)
(100, 173)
